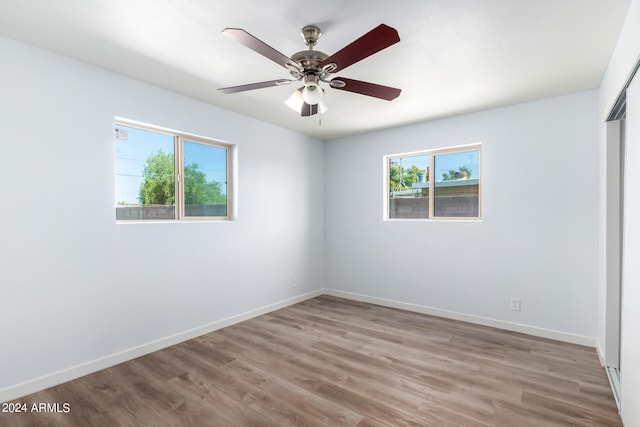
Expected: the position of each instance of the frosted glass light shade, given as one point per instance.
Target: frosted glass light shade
(295, 101)
(312, 94)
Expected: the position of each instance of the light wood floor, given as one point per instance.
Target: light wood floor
(334, 362)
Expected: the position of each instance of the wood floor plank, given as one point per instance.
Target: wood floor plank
(334, 362)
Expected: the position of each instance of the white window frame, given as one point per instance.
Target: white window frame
(179, 138)
(432, 156)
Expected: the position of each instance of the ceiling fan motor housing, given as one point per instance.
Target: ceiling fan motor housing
(309, 60)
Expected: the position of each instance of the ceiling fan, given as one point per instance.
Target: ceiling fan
(312, 67)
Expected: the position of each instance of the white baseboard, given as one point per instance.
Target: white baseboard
(600, 351)
(485, 321)
(50, 380)
(32, 386)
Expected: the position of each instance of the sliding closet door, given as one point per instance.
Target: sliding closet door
(630, 349)
(614, 227)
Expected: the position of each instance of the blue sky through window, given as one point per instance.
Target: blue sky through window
(453, 161)
(443, 163)
(131, 155)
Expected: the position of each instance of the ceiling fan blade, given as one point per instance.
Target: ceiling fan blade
(257, 45)
(308, 110)
(374, 41)
(252, 86)
(366, 88)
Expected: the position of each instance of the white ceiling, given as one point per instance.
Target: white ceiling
(454, 56)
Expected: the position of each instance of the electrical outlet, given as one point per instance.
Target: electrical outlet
(294, 282)
(515, 304)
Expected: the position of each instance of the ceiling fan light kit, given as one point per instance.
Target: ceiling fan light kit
(312, 67)
(297, 103)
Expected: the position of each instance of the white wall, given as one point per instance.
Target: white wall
(538, 237)
(625, 56)
(76, 287)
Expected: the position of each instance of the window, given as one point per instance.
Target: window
(435, 184)
(164, 175)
